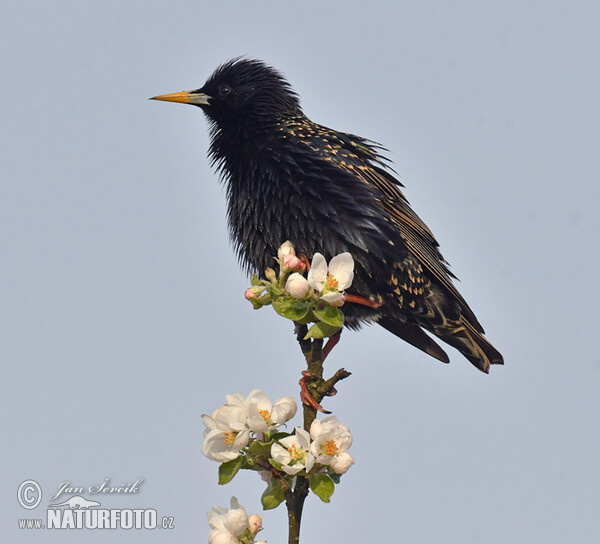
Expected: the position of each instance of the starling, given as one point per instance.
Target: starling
(288, 178)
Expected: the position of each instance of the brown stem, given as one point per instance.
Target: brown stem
(313, 353)
(295, 503)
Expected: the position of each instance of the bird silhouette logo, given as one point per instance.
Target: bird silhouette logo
(76, 502)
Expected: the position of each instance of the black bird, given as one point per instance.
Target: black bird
(288, 178)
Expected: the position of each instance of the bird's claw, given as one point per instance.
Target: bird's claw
(305, 395)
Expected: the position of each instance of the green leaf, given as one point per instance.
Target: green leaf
(276, 290)
(321, 330)
(330, 315)
(279, 435)
(258, 448)
(322, 486)
(292, 308)
(272, 497)
(334, 476)
(308, 318)
(228, 470)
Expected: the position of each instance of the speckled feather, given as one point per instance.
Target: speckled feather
(288, 178)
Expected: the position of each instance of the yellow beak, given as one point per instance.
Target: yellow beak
(185, 97)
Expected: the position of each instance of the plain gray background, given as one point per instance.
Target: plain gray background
(122, 317)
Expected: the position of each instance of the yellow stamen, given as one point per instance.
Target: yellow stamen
(265, 414)
(330, 447)
(331, 281)
(294, 452)
(229, 438)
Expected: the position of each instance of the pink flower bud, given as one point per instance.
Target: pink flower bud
(297, 285)
(287, 248)
(291, 262)
(250, 293)
(254, 523)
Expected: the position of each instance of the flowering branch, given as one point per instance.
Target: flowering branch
(245, 433)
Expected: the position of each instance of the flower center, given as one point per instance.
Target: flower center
(265, 414)
(331, 281)
(330, 447)
(297, 454)
(229, 439)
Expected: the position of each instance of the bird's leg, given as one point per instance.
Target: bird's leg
(331, 343)
(356, 299)
(313, 377)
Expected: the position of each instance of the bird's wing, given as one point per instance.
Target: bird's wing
(360, 158)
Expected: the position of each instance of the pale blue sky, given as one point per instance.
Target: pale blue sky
(123, 318)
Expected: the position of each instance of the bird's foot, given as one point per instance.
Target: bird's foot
(305, 395)
(356, 299)
(322, 388)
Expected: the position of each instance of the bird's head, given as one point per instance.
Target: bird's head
(242, 93)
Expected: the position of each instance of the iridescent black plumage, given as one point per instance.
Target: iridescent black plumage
(288, 178)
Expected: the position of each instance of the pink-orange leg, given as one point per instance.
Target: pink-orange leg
(305, 395)
(355, 299)
(331, 343)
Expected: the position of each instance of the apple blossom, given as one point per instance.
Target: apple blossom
(264, 416)
(233, 526)
(227, 524)
(292, 452)
(226, 432)
(331, 281)
(330, 442)
(297, 285)
(222, 446)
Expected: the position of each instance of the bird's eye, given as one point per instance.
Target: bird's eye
(224, 90)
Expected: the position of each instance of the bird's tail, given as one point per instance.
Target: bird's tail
(471, 343)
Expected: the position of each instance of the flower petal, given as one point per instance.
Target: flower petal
(341, 268)
(284, 409)
(341, 462)
(297, 285)
(334, 299)
(318, 272)
(292, 470)
(280, 454)
(218, 536)
(237, 521)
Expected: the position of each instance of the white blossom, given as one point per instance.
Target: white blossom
(226, 431)
(292, 452)
(330, 442)
(264, 416)
(227, 524)
(297, 285)
(331, 281)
